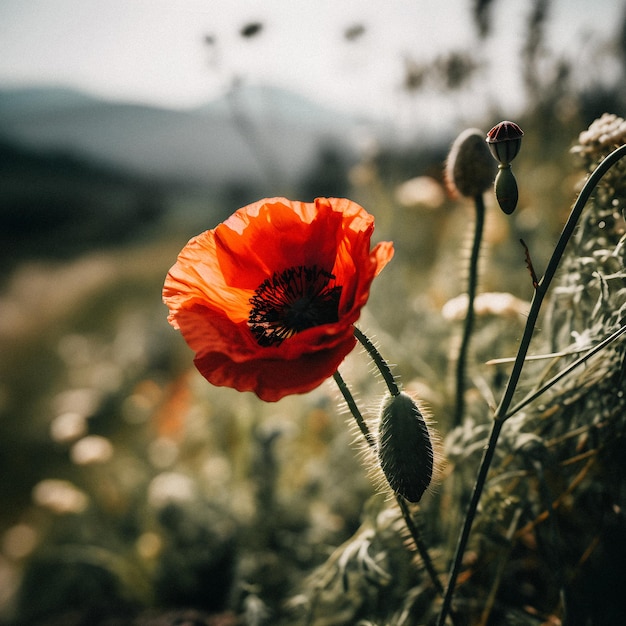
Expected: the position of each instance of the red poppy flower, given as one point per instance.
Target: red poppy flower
(268, 298)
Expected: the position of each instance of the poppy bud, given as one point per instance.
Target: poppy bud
(405, 449)
(504, 141)
(506, 189)
(469, 168)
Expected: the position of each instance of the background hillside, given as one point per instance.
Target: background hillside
(78, 172)
(253, 134)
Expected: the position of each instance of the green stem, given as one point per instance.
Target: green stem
(404, 509)
(379, 361)
(469, 518)
(501, 412)
(472, 286)
(354, 409)
(419, 544)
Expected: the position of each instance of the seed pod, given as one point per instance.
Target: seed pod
(405, 449)
(506, 189)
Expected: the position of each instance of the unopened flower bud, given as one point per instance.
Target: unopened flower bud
(405, 448)
(504, 141)
(469, 167)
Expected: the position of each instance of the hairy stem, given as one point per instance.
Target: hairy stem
(379, 361)
(419, 543)
(461, 364)
(354, 409)
(503, 408)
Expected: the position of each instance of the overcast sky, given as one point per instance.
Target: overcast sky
(155, 51)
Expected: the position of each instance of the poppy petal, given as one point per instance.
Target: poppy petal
(197, 278)
(306, 238)
(273, 379)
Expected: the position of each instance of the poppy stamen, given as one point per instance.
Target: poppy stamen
(291, 301)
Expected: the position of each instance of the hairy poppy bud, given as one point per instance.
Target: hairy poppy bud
(405, 449)
(469, 167)
(504, 141)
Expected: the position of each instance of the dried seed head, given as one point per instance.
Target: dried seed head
(405, 448)
(469, 167)
(605, 132)
(504, 141)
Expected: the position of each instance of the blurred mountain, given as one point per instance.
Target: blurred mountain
(255, 134)
(33, 100)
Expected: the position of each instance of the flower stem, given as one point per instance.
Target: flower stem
(503, 408)
(354, 409)
(472, 285)
(404, 509)
(469, 518)
(379, 361)
(419, 543)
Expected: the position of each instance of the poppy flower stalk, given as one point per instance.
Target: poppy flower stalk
(268, 299)
(469, 173)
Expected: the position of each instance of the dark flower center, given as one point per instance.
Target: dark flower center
(291, 301)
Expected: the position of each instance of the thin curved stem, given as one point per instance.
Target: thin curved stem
(354, 409)
(419, 544)
(502, 410)
(469, 518)
(553, 264)
(379, 361)
(472, 285)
